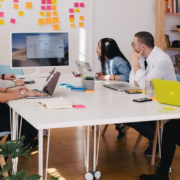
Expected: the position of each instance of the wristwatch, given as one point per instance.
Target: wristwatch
(22, 93)
(3, 75)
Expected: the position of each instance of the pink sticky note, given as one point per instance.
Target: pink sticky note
(79, 106)
(16, 1)
(1, 14)
(71, 16)
(49, 8)
(13, 21)
(76, 4)
(49, 2)
(82, 5)
(71, 10)
(43, 7)
(43, 1)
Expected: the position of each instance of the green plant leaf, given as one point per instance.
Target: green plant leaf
(6, 167)
(18, 176)
(33, 177)
(89, 78)
(54, 178)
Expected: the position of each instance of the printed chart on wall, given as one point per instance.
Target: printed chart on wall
(48, 13)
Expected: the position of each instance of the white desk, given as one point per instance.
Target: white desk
(105, 106)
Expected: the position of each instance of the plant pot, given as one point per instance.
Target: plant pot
(89, 84)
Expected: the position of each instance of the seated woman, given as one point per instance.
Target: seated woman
(114, 66)
(12, 94)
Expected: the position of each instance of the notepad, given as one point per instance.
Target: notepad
(57, 103)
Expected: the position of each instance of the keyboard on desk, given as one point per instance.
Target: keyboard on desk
(39, 97)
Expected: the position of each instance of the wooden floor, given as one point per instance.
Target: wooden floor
(116, 160)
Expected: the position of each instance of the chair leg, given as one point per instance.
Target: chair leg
(126, 128)
(2, 162)
(104, 130)
(137, 143)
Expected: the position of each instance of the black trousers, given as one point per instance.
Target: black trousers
(171, 138)
(29, 131)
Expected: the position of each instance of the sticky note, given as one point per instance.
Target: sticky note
(1, 21)
(48, 21)
(56, 27)
(82, 5)
(1, 0)
(49, 2)
(21, 13)
(41, 13)
(71, 19)
(76, 4)
(77, 10)
(73, 25)
(81, 24)
(49, 8)
(48, 14)
(89, 91)
(81, 18)
(162, 111)
(1, 14)
(43, 1)
(168, 108)
(54, 1)
(153, 98)
(29, 5)
(79, 106)
(71, 16)
(71, 10)
(41, 21)
(43, 7)
(55, 13)
(54, 7)
(13, 21)
(0, 5)
(16, 1)
(55, 20)
(16, 6)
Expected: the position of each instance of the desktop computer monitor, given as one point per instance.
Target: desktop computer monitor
(39, 49)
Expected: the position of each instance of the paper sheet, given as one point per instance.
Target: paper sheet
(41, 21)
(48, 14)
(81, 18)
(76, 4)
(13, 21)
(1, 21)
(73, 25)
(82, 5)
(43, 7)
(16, 6)
(29, 5)
(49, 8)
(56, 27)
(42, 13)
(77, 10)
(54, 7)
(81, 24)
(55, 20)
(71, 19)
(55, 13)
(1, 14)
(43, 1)
(71, 10)
(21, 13)
(54, 1)
(48, 21)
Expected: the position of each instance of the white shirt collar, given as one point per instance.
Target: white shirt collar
(151, 55)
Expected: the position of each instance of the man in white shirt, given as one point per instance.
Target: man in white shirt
(148, 62)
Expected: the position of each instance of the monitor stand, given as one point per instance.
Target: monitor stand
(39, 75)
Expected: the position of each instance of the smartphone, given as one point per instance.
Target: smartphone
(133, 92)
(142, 100)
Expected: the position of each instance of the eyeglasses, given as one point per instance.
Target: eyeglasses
(133, 44)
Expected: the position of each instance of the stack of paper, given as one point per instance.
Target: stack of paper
(58, 103)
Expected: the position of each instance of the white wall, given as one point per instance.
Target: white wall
(117, 19)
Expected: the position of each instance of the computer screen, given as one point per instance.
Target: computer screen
(39, 49)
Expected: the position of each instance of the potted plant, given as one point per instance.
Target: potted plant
(89, 83)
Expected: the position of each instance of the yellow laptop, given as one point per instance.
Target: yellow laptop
(167, 92)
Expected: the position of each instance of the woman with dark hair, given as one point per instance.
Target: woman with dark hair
(114, 66)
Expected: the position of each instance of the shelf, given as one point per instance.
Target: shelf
(172, 49)
(175, 30)
(176, 14)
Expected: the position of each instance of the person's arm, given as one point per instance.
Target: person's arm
(124, 72)
(8, 77)
(6, 84)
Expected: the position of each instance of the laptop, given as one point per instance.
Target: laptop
(167, 92)
(50, 85)
(121, 87)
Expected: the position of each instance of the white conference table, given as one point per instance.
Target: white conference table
(104, 106)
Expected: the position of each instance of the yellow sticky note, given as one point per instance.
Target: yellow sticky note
(55, 20)
(77, 10)
(54, 7)
(55, 13)
(1, 0)
(41, 21)
(29, 5)
(0, 5)
(16, 6)
(48, 14)
(48, 21)
(81, 24)
(56, 27)
(168, 108)
(89, 91)
(1, 21)
(71, 19)
(21, 13)
(42, 14)
(54, 1)
(81, 18)
(73, 25)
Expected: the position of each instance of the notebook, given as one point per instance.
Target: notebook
(57, 103)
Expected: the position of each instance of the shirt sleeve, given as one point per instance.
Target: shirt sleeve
(6, 84)
(132, 77)
(124, 72)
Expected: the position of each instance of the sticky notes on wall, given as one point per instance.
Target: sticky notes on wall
(13, 21)
(21, 13)
(55, 20)
(16, 6)
(77, 10)
(29, 5)
(43, 7)
(41, 21)
(43, 1)
(48, 21)
(15, 1)
(54, 7)
(71, 10)
(1, 0)
(1, 14)
(73, 25)
(81, 18)
(41, 13)
(48, 14)
(76, 4)
(82, 5)
(71, 16)
(54, 1)
(55, 13)
(81, 24)
(71, 19)
(56, 27)
(1, 21)
(0, 5)
(49, 2)
(49, 8)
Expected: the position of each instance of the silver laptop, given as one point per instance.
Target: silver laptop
(120, 87)
(49, 86)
